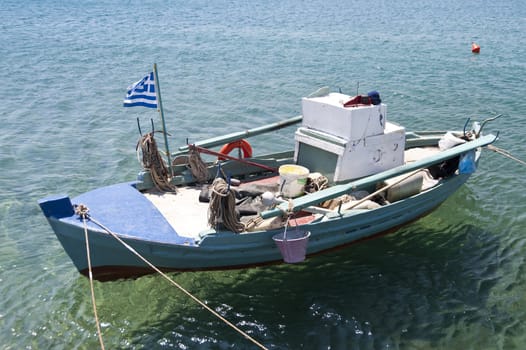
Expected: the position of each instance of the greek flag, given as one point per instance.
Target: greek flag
(142, 93)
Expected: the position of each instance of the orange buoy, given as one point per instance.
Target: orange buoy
(475, 48)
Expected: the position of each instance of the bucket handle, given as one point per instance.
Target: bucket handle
(287, 225)
(281, 190)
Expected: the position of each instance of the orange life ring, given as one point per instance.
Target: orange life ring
(241, 144)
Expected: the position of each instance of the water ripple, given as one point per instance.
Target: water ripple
(454, 280)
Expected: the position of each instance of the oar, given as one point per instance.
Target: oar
(241, 160)
(217, 141)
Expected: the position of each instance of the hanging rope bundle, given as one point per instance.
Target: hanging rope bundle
(197, 166)
(222, 207)
(152, 160)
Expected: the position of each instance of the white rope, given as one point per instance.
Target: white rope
(176, 284)
(82, 211)
(505, 154)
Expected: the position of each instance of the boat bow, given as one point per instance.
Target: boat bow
(121, 208)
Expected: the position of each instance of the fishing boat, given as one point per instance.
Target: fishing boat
(353, 174)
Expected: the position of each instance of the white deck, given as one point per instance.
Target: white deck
(182, 210)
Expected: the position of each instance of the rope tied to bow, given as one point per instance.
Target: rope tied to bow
(83, 211)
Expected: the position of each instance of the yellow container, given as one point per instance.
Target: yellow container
(292, 179)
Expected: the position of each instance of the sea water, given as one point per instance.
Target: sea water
(453, 280)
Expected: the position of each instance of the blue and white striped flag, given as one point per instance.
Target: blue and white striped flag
(142, 93)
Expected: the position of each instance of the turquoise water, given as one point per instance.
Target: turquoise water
(453, 280)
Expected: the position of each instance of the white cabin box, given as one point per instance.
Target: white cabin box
(328, 114)
(341, 160)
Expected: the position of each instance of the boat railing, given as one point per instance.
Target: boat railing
(235, 136)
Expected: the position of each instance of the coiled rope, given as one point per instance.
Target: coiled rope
(316, 184)
(152, 161)
(222, 207)
(84, 211)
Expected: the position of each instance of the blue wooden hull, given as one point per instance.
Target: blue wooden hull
(125, 211)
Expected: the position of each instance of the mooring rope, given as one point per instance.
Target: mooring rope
(223, 207)
(170, 280)
(83, 212)
(505, 154)
(152, 160)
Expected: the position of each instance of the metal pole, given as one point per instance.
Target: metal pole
(161, 112)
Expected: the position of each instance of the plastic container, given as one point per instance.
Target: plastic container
(406, 188)
(292, 245)
(328, 114)
(292, 179)
(467, 164)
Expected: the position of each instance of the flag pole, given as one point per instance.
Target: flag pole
(161, 112)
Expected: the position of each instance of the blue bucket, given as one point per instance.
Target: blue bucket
(292, 245)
